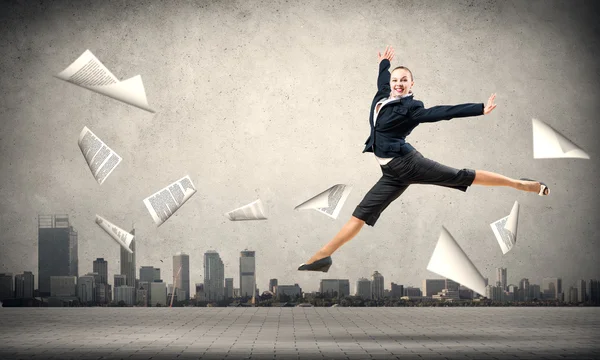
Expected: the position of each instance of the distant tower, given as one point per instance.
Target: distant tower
(214, 276)
(377, 285)
(128, 262)
(247, 273)
(182, 282)
(57, 250)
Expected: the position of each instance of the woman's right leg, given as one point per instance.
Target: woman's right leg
(382, 194)
(488, 178)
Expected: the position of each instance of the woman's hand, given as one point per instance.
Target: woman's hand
(388, 54)
(490, 105)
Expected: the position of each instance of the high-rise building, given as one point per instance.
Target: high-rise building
(120, 280)
(552, 288)
(535, 292)
(363, 288)
(593, 291)
(126, 294)
(24, 284)
(451, 285)
(572, 295)
(433, 286)
(377, 285)
(101, 267)
(158, 293)
(247, 273)
(63, 286)
(228, 288)
(524, 290)
(412, 292)
(200, 292)
(181, 266)
(501, 278)
(6, 286)
(581, 291)
(272, 284)
(128, 267)
(292, 291)
(57, 250)
(333, 287)
(396, 291)
(495, 293)
(214, 276)
(149, 274)
(86, 288)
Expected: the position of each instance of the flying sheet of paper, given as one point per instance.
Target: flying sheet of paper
(252, 211)
(101, 159)
(88, 72)
(165, 202)
(329, 202)
(550, 144)
(119, 235)
(505, 229)
(450, 261)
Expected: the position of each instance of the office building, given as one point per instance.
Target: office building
(120, 280)
(57, 250)
(181, 275)
(149, 274)
(86, 289)
(272, 284)
(396, 291)
(128, 267)
(6, 286)
(501, 278)
(101, 268)
(24, 285)
(126, 294)
(229, 288)
(334, 288)
(377, 287)
(433, 286)
(294, 292)
(214, 276)
(552, 288)
(247, 273)
(63, 286)
(158, 293)
(363, 288)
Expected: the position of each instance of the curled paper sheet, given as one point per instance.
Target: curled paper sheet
(101, 159)
(165, 202)
(549, 143)
(252, 211)
(505, 229)
(88, 72)
(450, 261)
(329, 202)
(119, 235)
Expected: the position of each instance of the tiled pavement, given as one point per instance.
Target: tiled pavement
(300, 333)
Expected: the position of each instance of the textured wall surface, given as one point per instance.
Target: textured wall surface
(271, 100)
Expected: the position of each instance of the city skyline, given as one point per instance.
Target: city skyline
(101, 266)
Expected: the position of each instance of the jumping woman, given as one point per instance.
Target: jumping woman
(394, 114)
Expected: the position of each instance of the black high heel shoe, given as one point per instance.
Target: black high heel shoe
(544, 189)
(320, 265)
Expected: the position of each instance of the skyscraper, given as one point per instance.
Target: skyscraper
(433, 286)
(101, 267)
(363, 288)
(149, 274)
(120, 280)
(128, 262)
(24, 284)
(396, 291)
(214, 276)
(57, 250)
(6, 286)
(228, 288)
(552, 288)
(581, 291)
(377, 285)
(332, 287)
(501, 278)
(181, 282)
(247, 273)
(524, 290)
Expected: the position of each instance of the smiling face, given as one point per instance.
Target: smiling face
(401, 82)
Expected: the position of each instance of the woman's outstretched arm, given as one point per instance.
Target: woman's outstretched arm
(446, 112)
(383, 79)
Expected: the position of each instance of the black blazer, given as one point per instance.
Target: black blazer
(398, 118)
